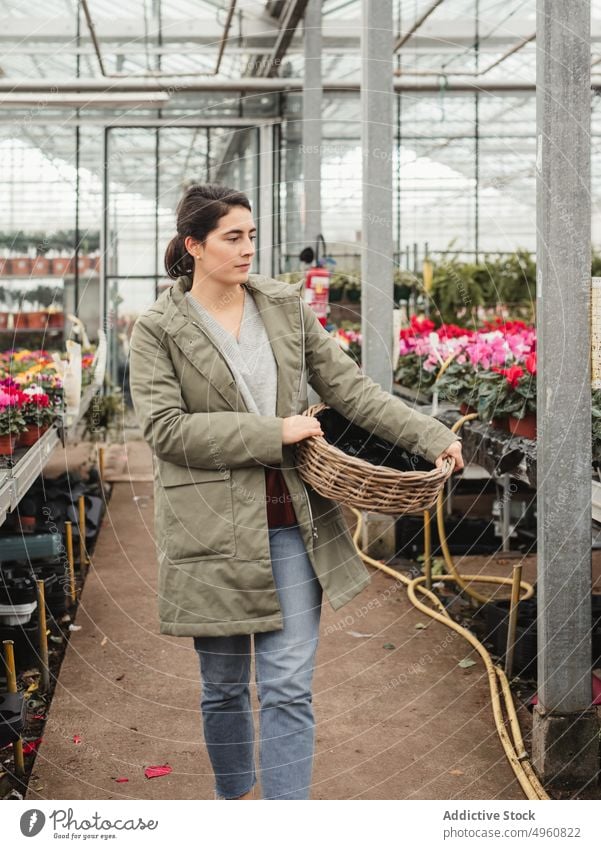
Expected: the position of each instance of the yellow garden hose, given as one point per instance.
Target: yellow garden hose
(497, 680)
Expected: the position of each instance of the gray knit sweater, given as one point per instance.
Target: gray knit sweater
(250, 357)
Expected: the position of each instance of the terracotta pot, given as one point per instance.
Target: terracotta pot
(4, 320)
(21, 265)
(30, 436)
(7, 444)
(26, 524)
(36, 320)
(464, 409)
(6, 265)
(41, 266)
(523, 427)
(56, 319)
(62, 265)
(500, 424)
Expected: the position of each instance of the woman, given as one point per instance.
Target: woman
(219, 370)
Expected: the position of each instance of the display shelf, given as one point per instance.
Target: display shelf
(497, 451)
(48, 331)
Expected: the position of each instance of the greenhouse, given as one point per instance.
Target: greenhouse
(300, 338)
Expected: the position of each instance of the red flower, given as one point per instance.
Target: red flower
(530, 362)
(513, 374)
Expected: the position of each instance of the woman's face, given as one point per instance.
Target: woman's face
(227, 253)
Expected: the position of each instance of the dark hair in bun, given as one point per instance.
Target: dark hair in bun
(198, 213)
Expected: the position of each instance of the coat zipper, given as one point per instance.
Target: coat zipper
(302, 319)
(300, 385)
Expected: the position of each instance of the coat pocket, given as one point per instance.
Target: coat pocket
(195, 516)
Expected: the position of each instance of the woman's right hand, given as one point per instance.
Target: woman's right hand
(295, 428)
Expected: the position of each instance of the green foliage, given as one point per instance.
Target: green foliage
(20, 242)
(460, 288)
(459, 383)
(106, 411)
(497, 399)
(455, 292)
(409, 372)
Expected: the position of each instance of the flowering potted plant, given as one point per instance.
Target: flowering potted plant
(87, 373)
(12, 422)
(38, 414)
(509, 394)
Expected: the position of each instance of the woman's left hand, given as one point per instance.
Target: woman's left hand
(454, 451)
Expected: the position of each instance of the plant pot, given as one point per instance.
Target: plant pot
(56, 319)
(4, 320)
(62, 265)
(41, 266)
(21, 265)
(7, 444)
(464, 409)
(335, 295)
(523, 427)
(30, 436)
(500, 424)
(36, 320)
(353, 295)
(26, 524)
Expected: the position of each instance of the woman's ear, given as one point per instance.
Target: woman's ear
(192, 246)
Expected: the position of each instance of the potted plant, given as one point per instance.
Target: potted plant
(352, 289)
(12, 422)
(458, 384)
(38, 413)
(338, 282)
(104, 412)
(410, 374)
(403, 285)
(508, 396)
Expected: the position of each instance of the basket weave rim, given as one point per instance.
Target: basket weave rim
(356, 462)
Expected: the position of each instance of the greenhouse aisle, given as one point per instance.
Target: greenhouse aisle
(397, 718)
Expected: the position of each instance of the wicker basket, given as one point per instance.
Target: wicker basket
(360, 484)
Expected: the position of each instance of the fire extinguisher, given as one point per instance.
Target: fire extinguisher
(317, 281)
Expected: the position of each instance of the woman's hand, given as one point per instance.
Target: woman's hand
(454, 451)
(296, 428)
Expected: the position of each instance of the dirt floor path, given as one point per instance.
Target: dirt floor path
(397, 718)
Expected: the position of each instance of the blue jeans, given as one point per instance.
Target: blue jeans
(284, 662)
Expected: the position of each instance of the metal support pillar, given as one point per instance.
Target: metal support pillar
(377, 133)
(266, 190)
(565, 732)
(312, 110)
(377, 120)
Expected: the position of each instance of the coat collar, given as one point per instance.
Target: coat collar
(271, 297)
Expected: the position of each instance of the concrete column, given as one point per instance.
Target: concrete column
(377, 126)
(266, 190)
(565, 733)
(312, 110)
(377, 120)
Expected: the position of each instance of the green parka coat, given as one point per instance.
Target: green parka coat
(215, 576)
